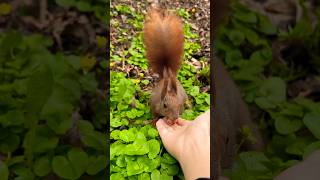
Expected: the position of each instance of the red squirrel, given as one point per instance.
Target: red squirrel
(163, 38)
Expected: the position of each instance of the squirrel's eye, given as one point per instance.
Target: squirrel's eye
(165, 105)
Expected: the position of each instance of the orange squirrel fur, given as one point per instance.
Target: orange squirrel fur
(163, 38)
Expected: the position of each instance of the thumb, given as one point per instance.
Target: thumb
(163, 129)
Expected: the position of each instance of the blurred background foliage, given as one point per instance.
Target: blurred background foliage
(136, 150)
(271, 49)
(53, 83)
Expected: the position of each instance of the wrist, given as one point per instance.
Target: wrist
(196, 167)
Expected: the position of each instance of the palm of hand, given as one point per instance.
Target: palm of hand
(184, 137)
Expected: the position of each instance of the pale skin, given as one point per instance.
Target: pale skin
(189, 143)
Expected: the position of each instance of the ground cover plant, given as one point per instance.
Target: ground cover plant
(136, 151)
(277, 69)
(52, 90)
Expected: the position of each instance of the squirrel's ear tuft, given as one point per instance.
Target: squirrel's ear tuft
(173, 85)
(165, 89)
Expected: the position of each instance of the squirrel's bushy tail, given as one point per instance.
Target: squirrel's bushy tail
(163, 38)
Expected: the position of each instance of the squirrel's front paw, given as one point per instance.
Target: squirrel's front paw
(154, 122)
(171, 122)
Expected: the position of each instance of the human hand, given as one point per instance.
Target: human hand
(308, 169)
(189, 143)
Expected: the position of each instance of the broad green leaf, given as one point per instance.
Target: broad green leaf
(125, 91)
(16, 160)
(233, 57)
(62, 168)
(141, 164)
(117, 122)
(133, 113)
(115, 168)
(74, 62)
(236, 37)
(134, 168)
(145, 130)
(154, 148)
(152, 163)
(168, 159)
(246, 16)
(116, 149)
(272, 91)
(262, 57)
(10, 41)
(286, 125)
(42, 166)
(38, 42)
(308, 105)
(144, 176)
(152, 133)
(96, 164)
(169, 169)
(85, 126)
(12, 118)
(58, 106)
(291, 109)
(127, 136)
(24, 173)
(266, 26)
(45, 140)
(155, 175)
(95, 139)
(60, 123)
(84, 6)
(246, 72)
(140, 137)
(312, 121)
(254, 161)
(121, 161)
(88, 82)
(116, 176)
(10, 143)
(71, 89)
(252, 36)
(79, 160)
(302, 29)
(39, 89)
(138, 147)
(166, 177)
(194, 91)
(72, 166)
(299, 146)
(279, 143)
(115, 134)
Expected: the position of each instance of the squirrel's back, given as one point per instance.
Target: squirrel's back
(163, 38)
